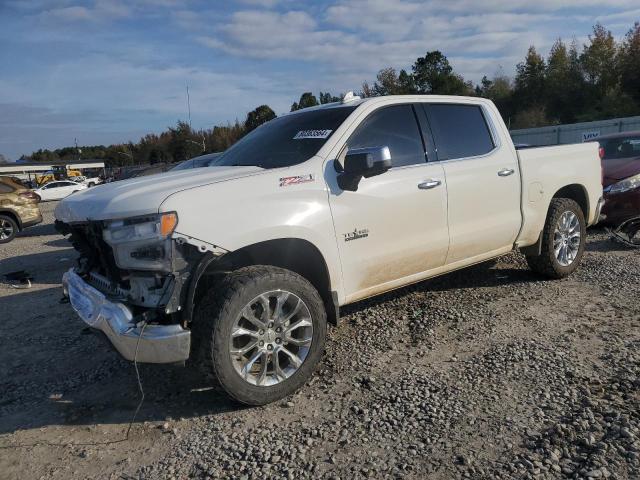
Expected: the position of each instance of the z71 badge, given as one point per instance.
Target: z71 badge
(286, 181)
(356, 234)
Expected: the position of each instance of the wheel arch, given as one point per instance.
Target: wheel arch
(577, 193)
(295, 254)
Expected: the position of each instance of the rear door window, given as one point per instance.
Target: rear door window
(459, 131)
(394, 127)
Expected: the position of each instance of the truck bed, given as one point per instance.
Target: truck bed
(545, 170)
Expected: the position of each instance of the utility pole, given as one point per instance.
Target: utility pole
(189, 105)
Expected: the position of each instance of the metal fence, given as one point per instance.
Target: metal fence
(574, 132)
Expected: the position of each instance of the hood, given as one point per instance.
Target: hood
(140, 195)
(620, 168)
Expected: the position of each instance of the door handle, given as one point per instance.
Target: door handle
(429, 184)
(505, 172)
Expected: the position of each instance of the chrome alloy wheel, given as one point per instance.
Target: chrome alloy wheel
(271, 338)
(566, 238)
(6, 229)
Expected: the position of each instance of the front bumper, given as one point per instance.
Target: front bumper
(154, 343)
(620, 207)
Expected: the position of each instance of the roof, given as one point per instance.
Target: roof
(386, 98)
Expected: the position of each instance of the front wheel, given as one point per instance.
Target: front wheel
(8, 229)
(563, 240)
(260, 332)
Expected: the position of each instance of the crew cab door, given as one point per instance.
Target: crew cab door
(483, 181)
(395, 225)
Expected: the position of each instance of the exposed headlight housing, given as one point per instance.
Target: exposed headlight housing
(142, 243)
(624, 185)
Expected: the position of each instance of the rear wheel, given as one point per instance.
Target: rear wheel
(563, 240)
(260, 332)
(8, 229)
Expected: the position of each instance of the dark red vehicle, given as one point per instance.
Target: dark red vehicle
(620, 155)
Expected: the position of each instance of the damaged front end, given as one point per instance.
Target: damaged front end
(132, 282)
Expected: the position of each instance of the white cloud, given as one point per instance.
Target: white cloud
(100, 11)
(68, 13)
(357, 37)
(262, 3)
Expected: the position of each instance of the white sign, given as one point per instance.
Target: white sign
(591, 135)
(312, 134)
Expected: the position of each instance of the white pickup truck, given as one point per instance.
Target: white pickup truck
(239, 266)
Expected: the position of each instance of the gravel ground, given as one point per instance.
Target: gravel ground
(489, 372)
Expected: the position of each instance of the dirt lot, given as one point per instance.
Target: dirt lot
(485, 373)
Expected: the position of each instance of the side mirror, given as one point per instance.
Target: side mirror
(363, 162)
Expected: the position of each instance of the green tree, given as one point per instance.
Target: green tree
(530, 81)
(44, 156)
(366, 91)
(499, 90)
(406, 83)
(307, 99)
(534, 116)
(433, 74)
(599, 60)
(257, 117)
(564, 83)
(222, 137)
(629, 63)
(388, 82)
(327, 97)
(183, 144)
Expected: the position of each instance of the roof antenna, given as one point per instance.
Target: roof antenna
(350, 97)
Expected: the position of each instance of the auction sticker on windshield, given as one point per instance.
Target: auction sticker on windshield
(302, 134)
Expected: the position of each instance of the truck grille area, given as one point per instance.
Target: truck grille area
(95, 255)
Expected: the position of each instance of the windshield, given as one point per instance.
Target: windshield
(286, 140)
(624, 147)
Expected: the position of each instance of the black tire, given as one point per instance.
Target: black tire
(546, 263)
(10, 229)
(218, 310)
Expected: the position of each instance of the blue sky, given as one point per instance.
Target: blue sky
(107, 71)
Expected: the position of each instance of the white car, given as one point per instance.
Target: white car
(58, 190)
(89, 182)
(240, 265)
(92, 181)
